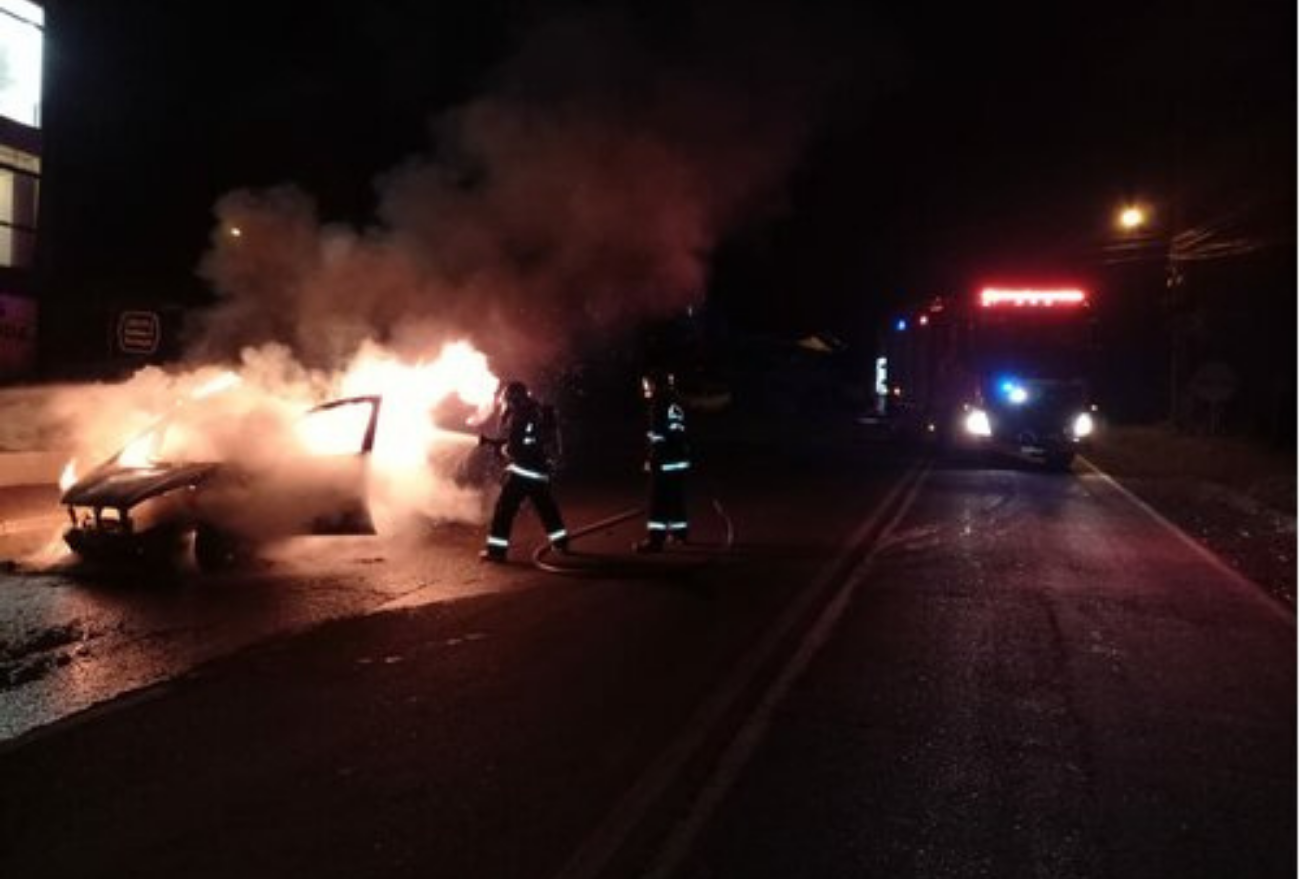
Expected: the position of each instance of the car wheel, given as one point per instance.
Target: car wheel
(219, 550)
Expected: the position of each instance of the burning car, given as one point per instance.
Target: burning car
(152, 496)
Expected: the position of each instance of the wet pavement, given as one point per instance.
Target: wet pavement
(485, 733)
(1030, 675)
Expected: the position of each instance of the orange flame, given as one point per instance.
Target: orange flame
(139, 453)
(222, 382)
(414, 456)
(413, 393)
(68, 477)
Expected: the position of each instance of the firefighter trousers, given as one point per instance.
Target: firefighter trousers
(515, 489)
(667, 513)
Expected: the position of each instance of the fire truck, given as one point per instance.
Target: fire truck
(1006, 370)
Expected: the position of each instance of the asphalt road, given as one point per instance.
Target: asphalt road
(1035, 678)
(890, 671)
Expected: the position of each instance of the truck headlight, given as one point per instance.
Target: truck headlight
(1083, 425)
(978, 424)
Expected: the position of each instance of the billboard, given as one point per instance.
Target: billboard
(17, 335)
(22, 37)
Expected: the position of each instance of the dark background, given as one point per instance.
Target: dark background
(963, 143)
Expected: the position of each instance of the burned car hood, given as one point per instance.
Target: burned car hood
(124, 487)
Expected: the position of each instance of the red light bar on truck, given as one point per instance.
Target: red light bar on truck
(991, 296)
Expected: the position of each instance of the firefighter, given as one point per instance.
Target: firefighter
(667, 462)
(526, 442)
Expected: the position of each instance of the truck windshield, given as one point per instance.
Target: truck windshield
(1038, 345)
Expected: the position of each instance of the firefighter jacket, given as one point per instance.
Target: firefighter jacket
(526, 439)
(667, 448)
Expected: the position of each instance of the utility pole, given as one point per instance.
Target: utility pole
(1177, 318)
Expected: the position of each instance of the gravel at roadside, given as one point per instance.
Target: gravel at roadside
(1236, 497)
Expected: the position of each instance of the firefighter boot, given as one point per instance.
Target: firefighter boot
(653, 543)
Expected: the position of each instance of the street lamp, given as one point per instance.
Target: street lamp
(1132, 217)
(1141, 239)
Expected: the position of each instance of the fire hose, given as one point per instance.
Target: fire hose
(624, 566)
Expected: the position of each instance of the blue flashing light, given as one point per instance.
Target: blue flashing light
(900, 324)
(1013, 391)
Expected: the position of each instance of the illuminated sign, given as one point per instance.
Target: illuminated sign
(992, 296)
(138, 332)
(22, 26)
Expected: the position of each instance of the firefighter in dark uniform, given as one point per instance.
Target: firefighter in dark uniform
(525, 437)
(668, 461)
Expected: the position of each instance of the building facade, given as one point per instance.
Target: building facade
(22, 43)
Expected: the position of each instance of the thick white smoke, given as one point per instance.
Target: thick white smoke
(256, 417)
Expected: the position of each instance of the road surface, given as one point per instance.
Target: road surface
(896, 668)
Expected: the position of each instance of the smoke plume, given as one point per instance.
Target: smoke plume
(584, 193)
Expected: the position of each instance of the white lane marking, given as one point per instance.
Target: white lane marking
(739, 751)
(594, 855)
(1204, 552)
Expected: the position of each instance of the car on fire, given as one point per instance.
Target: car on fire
(151, 499)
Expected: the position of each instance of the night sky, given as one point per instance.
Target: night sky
(938, 144)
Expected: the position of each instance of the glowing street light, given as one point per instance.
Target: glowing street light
(1139, 241)
(1132, 218)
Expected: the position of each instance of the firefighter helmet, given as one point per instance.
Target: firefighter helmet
(657, 381)
(514, 393)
